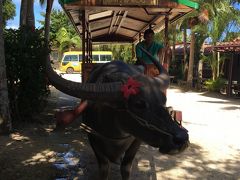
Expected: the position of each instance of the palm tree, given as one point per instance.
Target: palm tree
(67, 42)
(191, 21)
(27, 18)
(47, 18)
(185, 64)
(174, 36)
(5, 118)
(222, 14)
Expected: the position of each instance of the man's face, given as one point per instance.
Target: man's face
(149, 38)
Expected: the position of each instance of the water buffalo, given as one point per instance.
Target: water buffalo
(125, 107)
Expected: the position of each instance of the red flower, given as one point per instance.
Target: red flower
(130, 88)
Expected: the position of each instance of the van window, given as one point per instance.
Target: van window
(105, 57)
(95, 57)
(69, 58)
(80, 57)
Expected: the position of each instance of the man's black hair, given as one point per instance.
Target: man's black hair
(148, 31)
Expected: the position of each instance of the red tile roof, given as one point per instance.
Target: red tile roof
(229, 46)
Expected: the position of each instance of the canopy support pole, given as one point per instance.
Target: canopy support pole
(133, 52)
(166, 40)
(83, 35)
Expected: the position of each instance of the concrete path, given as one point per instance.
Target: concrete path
(212, 120)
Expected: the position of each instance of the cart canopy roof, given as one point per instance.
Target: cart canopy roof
(124, 20)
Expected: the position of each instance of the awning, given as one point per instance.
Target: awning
(130, 2)
(124, 20)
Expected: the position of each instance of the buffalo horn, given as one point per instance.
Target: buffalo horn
(93, 91)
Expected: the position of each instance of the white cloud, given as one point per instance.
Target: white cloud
(12, 26)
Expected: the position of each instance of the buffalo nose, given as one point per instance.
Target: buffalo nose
(181, 137)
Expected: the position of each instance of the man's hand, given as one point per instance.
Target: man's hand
(141, 62)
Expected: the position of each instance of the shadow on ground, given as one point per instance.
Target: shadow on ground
(34, 150)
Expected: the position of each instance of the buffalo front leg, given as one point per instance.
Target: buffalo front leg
(103, 162)
(126, 164)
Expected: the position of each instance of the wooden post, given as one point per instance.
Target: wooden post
(83, 35)
(133, 52)
(139, 37)
(218, 63)
(87, 46)
(166, 40)
(229, 88)
(90, 48)
(83, 44)
(166, 43)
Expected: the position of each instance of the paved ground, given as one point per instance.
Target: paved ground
(37, 151)
(73, 77)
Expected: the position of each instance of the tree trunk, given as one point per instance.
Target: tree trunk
(47, 20)
(5, 118)
(185, 63)
(191, 60)
(214, 65)
(200, 65)
(30, 14)
(222, 67)
(174, 45)
(27, 14)
(23, 13)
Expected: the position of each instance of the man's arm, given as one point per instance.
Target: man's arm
(140, 61)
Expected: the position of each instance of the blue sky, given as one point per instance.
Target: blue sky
(37, 10)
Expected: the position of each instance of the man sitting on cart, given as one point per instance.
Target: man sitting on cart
(148, 45)
(149, 50)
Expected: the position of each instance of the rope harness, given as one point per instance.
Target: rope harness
(136, 117)
(146, 124)
(90, 130)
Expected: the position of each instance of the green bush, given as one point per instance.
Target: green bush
(25, 62)
(215, 85)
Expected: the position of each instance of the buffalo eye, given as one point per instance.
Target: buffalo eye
(140, 104)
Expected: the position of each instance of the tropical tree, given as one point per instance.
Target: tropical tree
(191, 56)
(27, 18)
(5, 118)
(223, 15)
(185, 63)
(58, 19)
(193, 22)
(66, 41)
(231, 36)
(9, 11)
(174, 36)
(47, 18)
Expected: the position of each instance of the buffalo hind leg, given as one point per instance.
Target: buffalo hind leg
(126, 164)
(103, 162)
